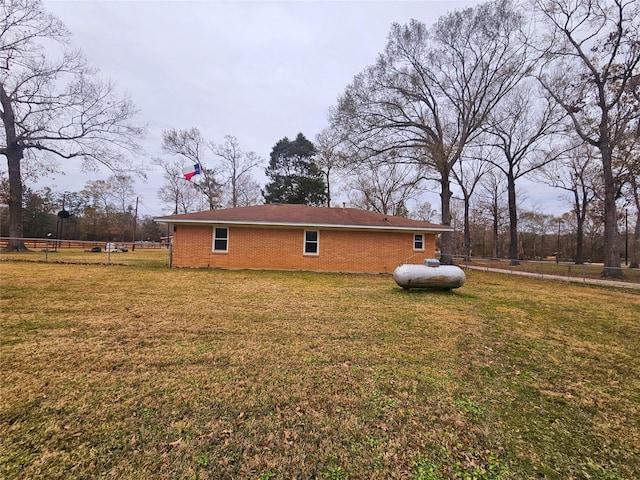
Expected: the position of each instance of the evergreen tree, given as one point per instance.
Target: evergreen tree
(293, 174)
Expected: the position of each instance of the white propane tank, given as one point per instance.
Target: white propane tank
(429, 275)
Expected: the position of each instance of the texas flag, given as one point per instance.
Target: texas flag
(189, 172)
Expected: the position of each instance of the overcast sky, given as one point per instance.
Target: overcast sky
(257, 70)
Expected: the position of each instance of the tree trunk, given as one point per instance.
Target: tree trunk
(581, 213)
(328, 187)
(635, 240)
(16, 227)
(13, 152)
(611, 246)
(495, 212)
(579, 260)
(467, 230)
(494, 232)
(635, 244)
(513, 219)
(234, 190)
(446, 238)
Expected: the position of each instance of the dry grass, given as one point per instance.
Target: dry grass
(149, 257)
(155, 373)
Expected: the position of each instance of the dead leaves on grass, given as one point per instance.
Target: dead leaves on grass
(357, 378)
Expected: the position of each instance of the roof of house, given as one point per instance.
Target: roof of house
(290, 215)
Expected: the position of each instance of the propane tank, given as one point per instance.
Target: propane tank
(429, 275)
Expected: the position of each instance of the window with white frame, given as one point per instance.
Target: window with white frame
(418, 241)
(220, 239)
(311, 242)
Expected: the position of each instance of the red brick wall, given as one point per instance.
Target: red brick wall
(282, 249)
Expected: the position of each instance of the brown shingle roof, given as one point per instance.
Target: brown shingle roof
(302, 215)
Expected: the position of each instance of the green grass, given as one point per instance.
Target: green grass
(153, 373)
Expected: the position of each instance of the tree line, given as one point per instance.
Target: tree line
(506, 91)
(104, 210)
(469, 106)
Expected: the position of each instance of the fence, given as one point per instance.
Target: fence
(89, 252)
(157, 254)
(588, 272)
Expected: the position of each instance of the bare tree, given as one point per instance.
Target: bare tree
(52, 104)
(329, 155)
(576, 174)
(190, 145)
(630, 189)
(423, 211)
(490, 202)
(385, 187)
(599, 43)
(522, 129)
(123, 191)
(467, 173)
(113, 199)
(430, 92)
(249, 192)
(175, 191)
(541, 225)
(236, 167)
(634, 192)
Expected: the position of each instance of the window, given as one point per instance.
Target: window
(311, 242)
(220, 239)
(418, 241)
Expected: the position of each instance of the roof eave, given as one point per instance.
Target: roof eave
(434, 229)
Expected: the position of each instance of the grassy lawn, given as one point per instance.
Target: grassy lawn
(151, 373)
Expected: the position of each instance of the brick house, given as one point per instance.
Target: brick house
(299, 237)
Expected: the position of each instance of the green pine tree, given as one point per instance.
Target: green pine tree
(293, 174)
